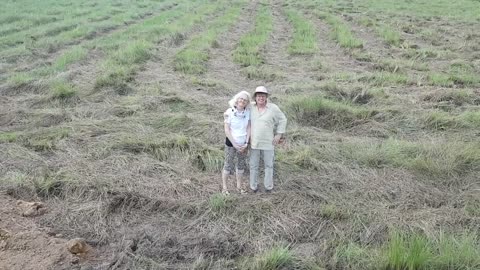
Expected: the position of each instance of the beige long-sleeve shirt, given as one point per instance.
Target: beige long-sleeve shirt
(265, 125)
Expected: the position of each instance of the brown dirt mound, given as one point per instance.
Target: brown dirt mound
(24, 245)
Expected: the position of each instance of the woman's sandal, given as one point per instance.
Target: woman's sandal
(225, 192)
(243, 191)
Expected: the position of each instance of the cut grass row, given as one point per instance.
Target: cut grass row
(387, 33)
(74, 55)
(67, 30)
(462, 10)
(122, 60)
(248, 52)
(440, 160)
(304, 36)
(340, 31)
(192, 59)
(122, 63)
(336, 108)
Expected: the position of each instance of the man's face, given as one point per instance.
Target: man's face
(261, 98)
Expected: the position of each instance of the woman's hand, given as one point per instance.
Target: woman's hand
(243, 149)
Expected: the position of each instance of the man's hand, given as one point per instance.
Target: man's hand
(277, 139)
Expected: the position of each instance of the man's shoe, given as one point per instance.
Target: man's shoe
(254, 190)
(268, 191)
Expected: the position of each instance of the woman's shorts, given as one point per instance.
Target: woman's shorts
(234, 159)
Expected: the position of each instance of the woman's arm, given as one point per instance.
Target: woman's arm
(249, 129)
(229, 135)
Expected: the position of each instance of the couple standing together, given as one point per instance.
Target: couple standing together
(260, 124)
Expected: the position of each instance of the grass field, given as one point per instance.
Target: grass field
(111, 114)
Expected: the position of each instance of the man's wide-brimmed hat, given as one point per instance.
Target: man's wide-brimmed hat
(261, 89)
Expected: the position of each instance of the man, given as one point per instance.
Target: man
(268, 124)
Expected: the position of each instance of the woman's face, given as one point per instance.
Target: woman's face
(241, 103)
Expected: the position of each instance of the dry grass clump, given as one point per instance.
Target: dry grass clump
(43, 139)
(261, 73)
(440, 120)
(352, 94)
(330, 114)
(202, 156)
(429, 158)
(442, 160)
(457, 97)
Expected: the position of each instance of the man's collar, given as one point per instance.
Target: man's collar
(266, 105)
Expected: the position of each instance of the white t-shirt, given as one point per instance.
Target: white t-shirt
(238, 122)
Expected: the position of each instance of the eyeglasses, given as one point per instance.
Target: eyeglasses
(242, 100)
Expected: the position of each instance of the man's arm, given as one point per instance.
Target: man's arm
(280, 122)
(281, 126)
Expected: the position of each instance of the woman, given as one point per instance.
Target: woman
(237, 131)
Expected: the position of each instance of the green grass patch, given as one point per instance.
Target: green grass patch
(367, 22)
(135, 52)
(332, 212)
(275, 258)
(385, 78)
(439, 79)
(389, 35)
(8, 137)
(62, 90)
(354, 256)
(248, 51)
(20, 79)
(453, 78)
(304, 36)
(191, 61)
(73, 55)
(219, 203)
(120, 67)
(399, 65)
(472, 206)
(416, 251)
(412, 251)
(408, 252)
(471, 119)
(422, 54)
